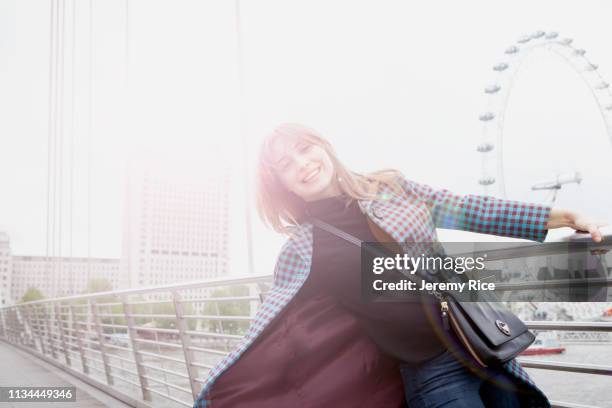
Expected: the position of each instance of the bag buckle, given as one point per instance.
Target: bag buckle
(503, 327)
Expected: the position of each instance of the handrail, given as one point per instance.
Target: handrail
(197, 284)
(579, 326)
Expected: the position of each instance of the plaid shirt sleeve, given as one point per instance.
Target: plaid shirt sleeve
(482, 214)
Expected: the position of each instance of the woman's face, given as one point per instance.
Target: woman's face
(304, 168)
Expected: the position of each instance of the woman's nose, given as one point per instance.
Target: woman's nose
(302, 162)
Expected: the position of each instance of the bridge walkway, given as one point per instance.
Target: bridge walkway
(19, 369)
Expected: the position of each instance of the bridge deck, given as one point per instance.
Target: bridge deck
(19, 369)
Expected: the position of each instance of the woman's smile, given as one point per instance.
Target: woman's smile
(312, 175)
(304, 168)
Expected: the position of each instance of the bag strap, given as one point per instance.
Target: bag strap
(356, 241)
(337, 232)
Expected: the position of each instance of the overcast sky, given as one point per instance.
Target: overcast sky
(390, 83)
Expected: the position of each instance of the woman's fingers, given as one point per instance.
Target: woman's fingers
(583, 224)
(595, 233)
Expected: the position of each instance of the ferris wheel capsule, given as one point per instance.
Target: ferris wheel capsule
(491, 89)
(591, 67)
(484, 147)
(551, 35)
(523, 39)
(566, 41)
(500, 67)
(608, 107)
(602, 85)
(487, 116)
(537, 34)
(579, 51)
(513, 49)
(486, 181)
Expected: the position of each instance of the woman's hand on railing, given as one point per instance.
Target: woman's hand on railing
(560, 217)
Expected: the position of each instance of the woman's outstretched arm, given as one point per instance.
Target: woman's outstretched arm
(491, 215)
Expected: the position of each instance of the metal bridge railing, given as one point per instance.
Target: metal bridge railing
(154, 346)
(147, 347)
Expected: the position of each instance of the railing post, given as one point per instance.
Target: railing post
(144, 384)
(42, 333)
(78, 334)
(50, 330)
(20, 326)
(182, 326)
(3, 324)
(58, 318)
(39, 334)
(55, 349)
(14, 324)
(101, 340)
(29, 325)
(219, 325)
(47, 318)
(254, 290)
(7, 323)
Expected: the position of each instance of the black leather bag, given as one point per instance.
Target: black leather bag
(489, 332)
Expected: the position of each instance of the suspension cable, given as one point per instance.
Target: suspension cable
(60, 137)
(90, 128)
(242, 130)
(71, 142)
(50, 128)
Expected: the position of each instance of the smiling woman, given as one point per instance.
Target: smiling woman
(297, 165)
(313, 327)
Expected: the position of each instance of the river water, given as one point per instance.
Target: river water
(586, 389)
